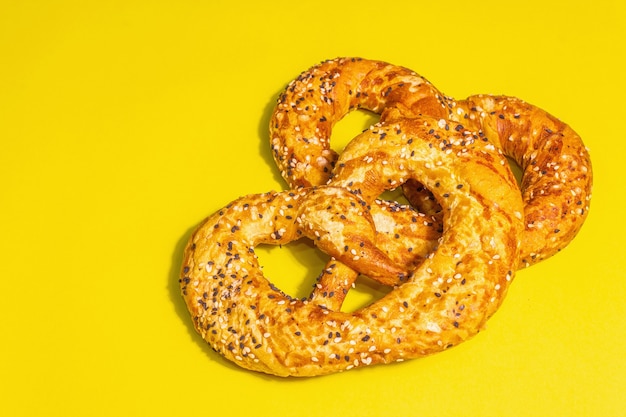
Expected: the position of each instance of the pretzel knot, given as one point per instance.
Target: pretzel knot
(438, 304)
(556, 169)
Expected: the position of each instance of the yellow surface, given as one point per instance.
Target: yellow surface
(124, 123)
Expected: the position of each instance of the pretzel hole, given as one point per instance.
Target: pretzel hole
(294, 267)
(350, 126)
(364, 292)
(518, 172)
(394, 195)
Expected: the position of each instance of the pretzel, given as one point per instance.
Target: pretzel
(557, 176)
(441, 303)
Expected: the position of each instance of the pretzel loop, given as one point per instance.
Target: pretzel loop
(557, 176)
(307, 110)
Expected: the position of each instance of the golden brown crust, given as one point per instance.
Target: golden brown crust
(403, 234)
(557, 176)
(450, 267)
(442, 303)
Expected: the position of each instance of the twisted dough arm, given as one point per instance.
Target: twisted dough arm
(300, 131)
(405, 235)
(445, 301)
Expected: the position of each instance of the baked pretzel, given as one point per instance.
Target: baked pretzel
(443, 302)
(557, 176)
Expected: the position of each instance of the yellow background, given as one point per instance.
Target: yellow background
(124, 123)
